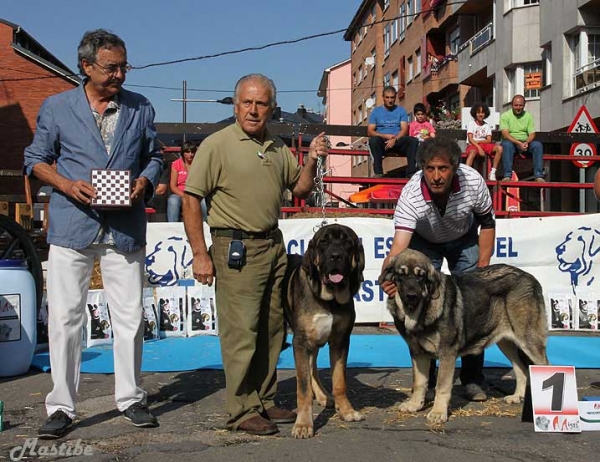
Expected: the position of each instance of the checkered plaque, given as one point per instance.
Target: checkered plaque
(113, 188)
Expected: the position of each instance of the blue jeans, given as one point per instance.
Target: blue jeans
(407, 146)
(462, 255)
(536, 150)
(174, 208)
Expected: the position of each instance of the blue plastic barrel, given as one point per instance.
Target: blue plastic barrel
(17, 318)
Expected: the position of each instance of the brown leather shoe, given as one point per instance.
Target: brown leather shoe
(281, 416)
(258, 425)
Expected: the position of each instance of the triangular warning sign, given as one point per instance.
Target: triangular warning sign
(583, 122)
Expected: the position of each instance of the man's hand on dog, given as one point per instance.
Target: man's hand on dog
(387, 286)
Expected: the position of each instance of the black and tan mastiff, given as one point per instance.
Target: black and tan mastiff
(445, 317)
(319, 308)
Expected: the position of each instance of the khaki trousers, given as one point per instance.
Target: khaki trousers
(250, 323)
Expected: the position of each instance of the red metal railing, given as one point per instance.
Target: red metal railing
(498, 189)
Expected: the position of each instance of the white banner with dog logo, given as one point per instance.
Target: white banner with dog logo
(563, 253)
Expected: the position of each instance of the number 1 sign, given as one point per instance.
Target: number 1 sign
(554, 399)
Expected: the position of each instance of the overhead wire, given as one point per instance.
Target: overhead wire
(238, 51)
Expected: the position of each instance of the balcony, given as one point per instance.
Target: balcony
(587, 77)
(439, 72)
(479, 40)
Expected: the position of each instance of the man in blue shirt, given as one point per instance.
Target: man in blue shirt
(388, 133)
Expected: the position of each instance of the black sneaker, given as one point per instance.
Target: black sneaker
(55, 427)
(140, 416)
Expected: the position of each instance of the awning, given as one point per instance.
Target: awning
(377, 193)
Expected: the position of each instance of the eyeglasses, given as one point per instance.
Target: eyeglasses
(112, 69)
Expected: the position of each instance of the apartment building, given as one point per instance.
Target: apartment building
(335, 91)
(451, 54)
(411, 45)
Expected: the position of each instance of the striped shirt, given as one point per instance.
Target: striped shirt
(416, 211)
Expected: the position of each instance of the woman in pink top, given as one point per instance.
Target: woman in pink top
(179, 173)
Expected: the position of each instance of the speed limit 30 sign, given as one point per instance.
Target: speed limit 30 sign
(584, 150)
(583, 123)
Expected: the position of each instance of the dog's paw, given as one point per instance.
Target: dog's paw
(352, 416)
(302, 431)
(437, 417)
(411, 406)
(513, 399)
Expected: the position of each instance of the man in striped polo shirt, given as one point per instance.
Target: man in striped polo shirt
(439, 213)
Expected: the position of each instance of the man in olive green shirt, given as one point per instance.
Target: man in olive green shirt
(245, 171)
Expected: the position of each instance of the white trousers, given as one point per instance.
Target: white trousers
(68, 279)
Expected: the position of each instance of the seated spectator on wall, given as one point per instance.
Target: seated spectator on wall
(388, 133)
(178, 177)
(518, 133)
(479, 139)
(421, 128)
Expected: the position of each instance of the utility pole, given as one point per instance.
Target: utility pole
(184, 101)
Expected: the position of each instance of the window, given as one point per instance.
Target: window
(386, 79)
(360, 73)
(394, 25)
(532, 80)
(395, 80)
(360, 114)
(521, 3)
(386, 4)
(454, 40)
(585, 60)
(410, 10)
(402, 22)
(454, 103)
(524, 80)
(373, 13)
(410, 69)
(374, 56)
(593, 48)
(387, 42)
(547, 65)
(417, 7)
(418, 61)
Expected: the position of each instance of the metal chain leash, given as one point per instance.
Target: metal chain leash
(320, 187)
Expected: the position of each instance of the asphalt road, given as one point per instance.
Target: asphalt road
(190, 407)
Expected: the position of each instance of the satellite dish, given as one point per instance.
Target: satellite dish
(370, 61)
(370, 103)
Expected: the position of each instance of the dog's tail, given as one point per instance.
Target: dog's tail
(527, 410)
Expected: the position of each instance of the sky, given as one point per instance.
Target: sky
(156, 31)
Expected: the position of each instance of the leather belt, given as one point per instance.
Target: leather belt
(240, 234)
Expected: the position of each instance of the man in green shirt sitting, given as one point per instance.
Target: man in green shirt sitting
(518, 133)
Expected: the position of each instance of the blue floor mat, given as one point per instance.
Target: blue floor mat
(204, 352)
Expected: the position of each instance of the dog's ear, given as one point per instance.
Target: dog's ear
(358, 266)
(433, 281)
(310, 263)
(388, 272)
